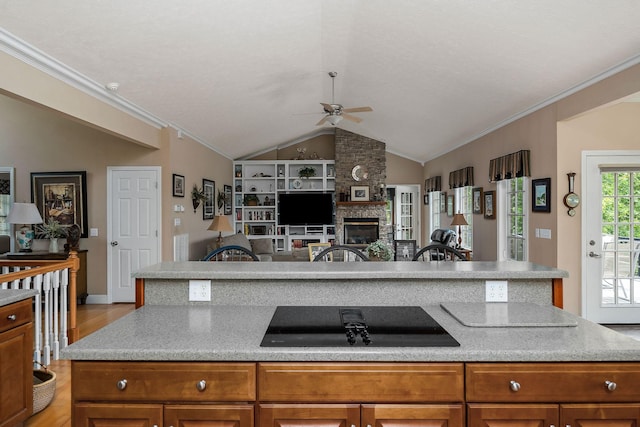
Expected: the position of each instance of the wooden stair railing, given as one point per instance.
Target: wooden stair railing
(39, 274)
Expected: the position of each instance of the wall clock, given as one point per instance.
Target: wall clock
(571, 199)
(358, 173)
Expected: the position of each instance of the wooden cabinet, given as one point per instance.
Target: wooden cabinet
(158, 393)
(345, 391)
(16, 366)
(319, 394)
(565, 394)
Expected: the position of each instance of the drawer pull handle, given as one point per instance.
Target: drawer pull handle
(12, 317)
(122, 384)
(610, 385)
(201, 385)
(514, 385)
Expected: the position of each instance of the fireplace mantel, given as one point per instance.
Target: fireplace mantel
(361, 203)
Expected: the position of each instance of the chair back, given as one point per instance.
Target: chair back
(442, 236)
(231, 253)
(439, 253)
(340, 253)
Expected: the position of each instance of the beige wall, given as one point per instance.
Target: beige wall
(549, 158)
(612, 128)
(36, 139)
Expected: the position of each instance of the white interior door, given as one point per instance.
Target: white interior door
(134, 232)
(611, 237)
(407, 212)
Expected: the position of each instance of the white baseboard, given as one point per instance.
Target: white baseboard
(97, 299)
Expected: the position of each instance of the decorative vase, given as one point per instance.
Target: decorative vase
(53, 244)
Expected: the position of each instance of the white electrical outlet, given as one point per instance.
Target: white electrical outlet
(496, 291)
(199, 290)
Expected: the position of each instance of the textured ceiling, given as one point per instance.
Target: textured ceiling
(245, 76)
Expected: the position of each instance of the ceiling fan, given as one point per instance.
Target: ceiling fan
(336, 112)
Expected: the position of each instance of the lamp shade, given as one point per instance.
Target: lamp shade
(458, 219)
(220, 223)
(24, 213)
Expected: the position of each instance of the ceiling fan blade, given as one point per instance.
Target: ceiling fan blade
(352, 118)
(357, 110)
(327, 107)
(322, 121)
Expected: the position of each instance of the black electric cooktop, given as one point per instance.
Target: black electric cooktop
(373, 326)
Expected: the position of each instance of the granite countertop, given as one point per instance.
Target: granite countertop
(352, 270)
(234, 333)
(9, 296)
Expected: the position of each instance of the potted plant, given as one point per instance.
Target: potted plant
(52, 230)
(197, 196)
(251, 200)
(380, 251)
(307, 172)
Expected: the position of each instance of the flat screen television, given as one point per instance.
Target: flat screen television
(305, 208)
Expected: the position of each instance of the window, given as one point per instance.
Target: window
(512, 219)
(464, 205)
(434, 210)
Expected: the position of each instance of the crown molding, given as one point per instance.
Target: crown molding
(34, 57)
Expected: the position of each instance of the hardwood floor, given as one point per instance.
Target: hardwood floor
(90, 318)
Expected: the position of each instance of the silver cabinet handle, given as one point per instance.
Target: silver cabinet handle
(122, 384)
(514, 385)
(114, 243)
(201, 385)
(12, 317)
(610, 385)
(594, 255)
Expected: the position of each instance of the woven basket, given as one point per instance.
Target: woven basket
(44, 387)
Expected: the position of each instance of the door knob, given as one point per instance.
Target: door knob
(594, 255)
(114, 243)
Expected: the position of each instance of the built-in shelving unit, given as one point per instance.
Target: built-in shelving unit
(257, 184)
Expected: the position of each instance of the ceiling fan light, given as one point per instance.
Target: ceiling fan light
(334, 120)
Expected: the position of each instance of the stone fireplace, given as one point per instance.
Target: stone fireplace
(356, 150)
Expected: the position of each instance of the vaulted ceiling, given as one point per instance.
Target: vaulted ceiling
(244, 76)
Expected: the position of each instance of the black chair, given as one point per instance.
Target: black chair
(439, 252)
(339, 253)
(231, 253)
(442, 236)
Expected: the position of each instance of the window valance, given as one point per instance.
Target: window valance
(433, 184)
(512, 165)
(461, 178)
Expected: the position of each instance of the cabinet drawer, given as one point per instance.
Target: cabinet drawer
(15, 314)
(552, 382)
(361, 382)
(163, 381)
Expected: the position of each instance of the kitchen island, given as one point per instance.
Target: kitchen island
(182, 363)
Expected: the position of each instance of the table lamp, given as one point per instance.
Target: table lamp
(25, 214)
(458, 219)
(220, 223)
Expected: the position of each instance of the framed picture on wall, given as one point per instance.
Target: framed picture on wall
(208, 207)
(178, 185)
(359, 193)
(541, 195)
(61, 196)
(443, 201)
(490, 204)
(426, 199)
(477, 200)
(450, 202)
